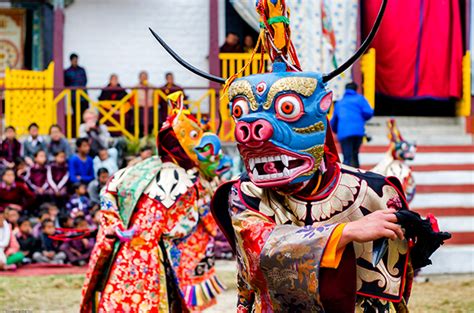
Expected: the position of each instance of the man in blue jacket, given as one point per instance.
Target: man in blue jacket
(348, 121)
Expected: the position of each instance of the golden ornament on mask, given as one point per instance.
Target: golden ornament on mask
(243, 88)
(317, 152)
(304, 86)
(318, 127)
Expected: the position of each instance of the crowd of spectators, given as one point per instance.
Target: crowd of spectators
(47, 191)
(50, 188)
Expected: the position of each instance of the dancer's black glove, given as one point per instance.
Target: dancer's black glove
(421, 232)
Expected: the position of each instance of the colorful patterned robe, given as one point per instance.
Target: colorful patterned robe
(280, 242)
(152, 202)
(193, 256)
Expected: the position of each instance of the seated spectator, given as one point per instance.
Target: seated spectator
(49, 250)
(106, 159)
(42, 215)
(15, 194)
(98, 135)
(12, 216)
(231, 44)
(21, 169)
(79, 204)
(10, 148)
(33, 143)
(58, 177)
(66, 221)
(95, 217)
(145, 153)
(81, 168)
(53, 212)
(36, 177)
(10, 254)
(28, 243)
(97, 184)
(249, 45)
(57, 143)
(79, 251)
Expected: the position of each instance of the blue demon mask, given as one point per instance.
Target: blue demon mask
(280, 116)
(280, 124)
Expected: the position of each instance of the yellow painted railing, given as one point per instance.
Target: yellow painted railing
(464, 105)
(29, 98)
(114, 113)
(367, 67)
(231, 63)
(38, 104)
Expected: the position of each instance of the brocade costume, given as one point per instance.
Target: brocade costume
(154, 250)
(285, 217)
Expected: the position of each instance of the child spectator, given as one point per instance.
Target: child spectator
(21, 169)
(57, 143)
(95, 217)
(97, 184)
(107, 158)
(49, 252)
(9, 247)
(28, 243)
(58, 176)
(43, 215)
(97, 134)
(78, 251)
(15, 194)
(12, 216)
(36, 177)
(33, 143)
(81, 168)
(79, 204)
(53, 212)
(10, 148)
(66, 221)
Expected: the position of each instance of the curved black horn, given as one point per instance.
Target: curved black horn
(363, 47)
(188, 66)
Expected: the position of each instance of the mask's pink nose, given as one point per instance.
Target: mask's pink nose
(258, 131)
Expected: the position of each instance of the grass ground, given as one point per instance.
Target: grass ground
(62, 294)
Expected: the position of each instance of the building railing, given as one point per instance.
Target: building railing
(121, 116)
(30, 96)
(231, 63)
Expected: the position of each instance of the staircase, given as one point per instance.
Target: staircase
(444, 174)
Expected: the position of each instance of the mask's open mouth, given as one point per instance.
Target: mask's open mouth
(270, 166)
(205, 150)
(223, 169)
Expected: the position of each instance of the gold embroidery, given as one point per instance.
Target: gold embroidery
(304, 86)
(317, 152)
(243, 88)
(318, 127)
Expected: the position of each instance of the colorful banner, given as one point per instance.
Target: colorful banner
(324, 33)
(12, 39)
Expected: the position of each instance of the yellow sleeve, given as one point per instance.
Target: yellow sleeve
(332, 256)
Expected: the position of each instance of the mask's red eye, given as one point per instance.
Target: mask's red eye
(240, 107)
(289, 108)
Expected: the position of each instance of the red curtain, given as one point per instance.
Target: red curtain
(418, 47)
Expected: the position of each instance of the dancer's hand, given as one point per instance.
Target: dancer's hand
(376, 225)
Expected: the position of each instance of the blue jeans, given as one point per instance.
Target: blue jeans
(350, 150)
